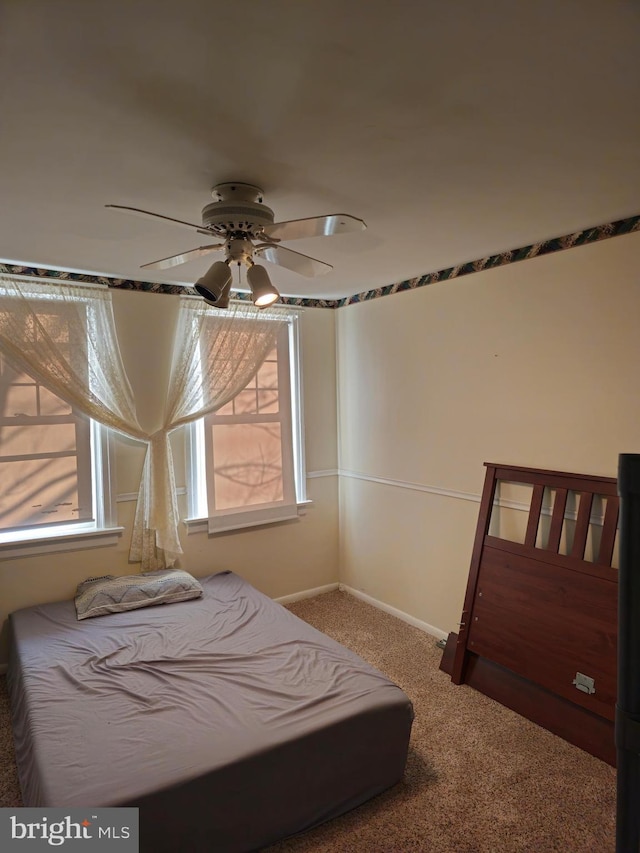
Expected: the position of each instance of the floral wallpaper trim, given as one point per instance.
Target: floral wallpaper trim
(547, 247)
(535, 250)
(144, 286)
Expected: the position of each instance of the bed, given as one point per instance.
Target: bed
(227, 720)
(538, 631)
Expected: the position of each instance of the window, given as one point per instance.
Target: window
(246, 459)
(54, 461)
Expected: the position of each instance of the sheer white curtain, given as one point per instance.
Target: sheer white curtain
(216, 353)
(72, 350)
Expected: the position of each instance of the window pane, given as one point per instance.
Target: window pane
(55, 326)
(245, 403)
(22, 395)
(248, 447)
(31, 400)
(273, 355)
(227, 409)
(56, 486)
(248, 464)
(20, 400)
(39, 438)
(268, 402)
(42, 491)
(10, 375)
(268, 375)
(52, 405)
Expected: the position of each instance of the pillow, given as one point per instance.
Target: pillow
(111, 594)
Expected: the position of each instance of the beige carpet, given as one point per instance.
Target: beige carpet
(479, 778)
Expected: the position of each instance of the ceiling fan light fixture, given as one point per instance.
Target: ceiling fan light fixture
(215, 285)
(262, 291)
(222, 301)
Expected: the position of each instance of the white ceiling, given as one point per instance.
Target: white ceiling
(456, 129)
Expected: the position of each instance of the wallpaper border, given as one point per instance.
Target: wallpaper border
(535, 250)
(10, 268)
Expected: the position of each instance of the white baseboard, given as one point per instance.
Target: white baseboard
(399, 614)
(307, 593)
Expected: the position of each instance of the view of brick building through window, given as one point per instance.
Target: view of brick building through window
(45, 450)
(245, 442)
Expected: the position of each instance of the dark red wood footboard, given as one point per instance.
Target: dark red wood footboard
(539, 624)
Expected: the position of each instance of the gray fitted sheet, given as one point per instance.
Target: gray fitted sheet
(228, 707)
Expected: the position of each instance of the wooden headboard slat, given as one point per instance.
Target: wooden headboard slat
(534, 515)
(582, 525)
(557, 520)
(609, 529)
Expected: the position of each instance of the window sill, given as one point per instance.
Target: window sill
(21, 546)
(201, 525)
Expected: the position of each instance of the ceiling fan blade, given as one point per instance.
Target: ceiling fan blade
(136, 211)
(185, 257)
(315, 226)
(287, 258)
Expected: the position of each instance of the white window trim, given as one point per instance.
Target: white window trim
(71, 537)
(260, 516)
(297, 406)
(201, 525)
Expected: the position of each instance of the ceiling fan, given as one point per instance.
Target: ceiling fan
(247, 230)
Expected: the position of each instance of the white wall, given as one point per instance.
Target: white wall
(532, 364)
(279, 559)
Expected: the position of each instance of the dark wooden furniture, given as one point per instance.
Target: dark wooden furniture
(539, 616)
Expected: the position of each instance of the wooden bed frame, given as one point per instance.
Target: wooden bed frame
(536, 621)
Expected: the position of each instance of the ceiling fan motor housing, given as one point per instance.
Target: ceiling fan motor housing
(238, 217)
(238, 212)
(239, 251)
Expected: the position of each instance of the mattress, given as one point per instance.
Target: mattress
(227, 720)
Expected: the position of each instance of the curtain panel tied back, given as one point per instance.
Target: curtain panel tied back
(216, 353)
